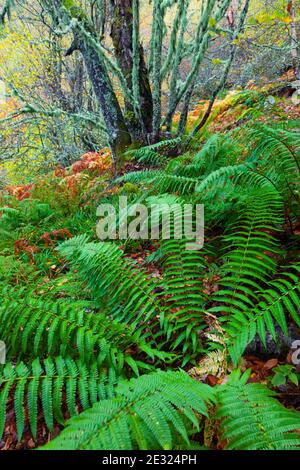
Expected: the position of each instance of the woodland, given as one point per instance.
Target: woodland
(142, 344)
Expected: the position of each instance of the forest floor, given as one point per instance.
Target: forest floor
(79, 187)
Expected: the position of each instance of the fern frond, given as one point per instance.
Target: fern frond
(31, 326)
(218, 178)
(147, 156)
(139, 177)
(282, 297)
(175, 184)
(48, 382)
(252, 419)
(252, 250)
(183, 270)
(218, 151)
(146, 413)
(279, 152)
(127, 291)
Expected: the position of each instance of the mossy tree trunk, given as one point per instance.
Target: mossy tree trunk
(294, 38)
(86, 40)
(122, 37)
(118, 133)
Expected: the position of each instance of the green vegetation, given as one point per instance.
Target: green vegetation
(125, 343)
(98, 318)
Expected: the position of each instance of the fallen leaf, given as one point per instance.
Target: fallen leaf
(270, 364)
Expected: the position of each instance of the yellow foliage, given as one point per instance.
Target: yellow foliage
(21, 56)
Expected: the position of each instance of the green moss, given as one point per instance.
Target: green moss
(76, 12)
(130, 117)
(73, 9)
(129, 188)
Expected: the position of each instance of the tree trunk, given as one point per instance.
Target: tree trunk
(117, 131)
(86, 40)
(294, 45)
(122, 37)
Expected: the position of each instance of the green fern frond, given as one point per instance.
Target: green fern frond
(183, 269)
(218, 151)
(282, 297)
(175, 184)
(218, 178)
(279, 152)
(51, 382)
(139, 177)
(148, 157)
(146, 414)
(252, 419)
(31, 326)
(251, 250)
(127, 291)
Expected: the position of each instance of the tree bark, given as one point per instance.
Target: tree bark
(118, 134)
(294, 45)
(85, 40)
(122, 37)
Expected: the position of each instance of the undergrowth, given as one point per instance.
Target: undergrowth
(101, 335)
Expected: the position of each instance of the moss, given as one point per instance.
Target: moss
(130, 117)
(76, 12)
(73, 9)
(129, 188)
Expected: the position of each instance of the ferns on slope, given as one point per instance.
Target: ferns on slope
(139, 323)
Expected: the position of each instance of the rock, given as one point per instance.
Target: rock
(278, 349)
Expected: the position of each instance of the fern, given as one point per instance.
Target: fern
(161, 181)
(278, 151)
(282, 295)
(218, 150)
(220, 176)
(51, 382)
(146, 176)
(147, 156)
(146, 413)
(130, 295)
(184, 292)
(32, 327)
(162, 146)
(106, 272)
(251, 259)
(252, 419)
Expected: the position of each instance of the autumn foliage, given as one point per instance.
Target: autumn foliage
(93, 162)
